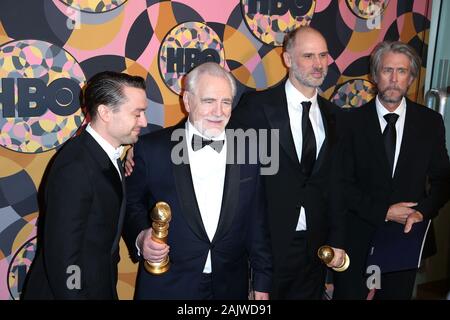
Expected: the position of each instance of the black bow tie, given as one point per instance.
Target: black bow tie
(199, 142)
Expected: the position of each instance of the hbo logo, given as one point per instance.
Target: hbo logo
(35, 97)
(297, 8)
(182, 60)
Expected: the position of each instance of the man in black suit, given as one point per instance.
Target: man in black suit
(78, 250)
(394, 171)
(218, 227)
(297, 195)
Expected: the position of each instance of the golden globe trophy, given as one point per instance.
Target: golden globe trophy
(160, 216)
(326, 254)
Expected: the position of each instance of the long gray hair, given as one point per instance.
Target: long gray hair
(395, 47)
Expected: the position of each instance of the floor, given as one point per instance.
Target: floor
(436, 290)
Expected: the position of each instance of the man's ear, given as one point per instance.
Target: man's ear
(411, 80)
(287, 59)
(104, 113)
(186, 101)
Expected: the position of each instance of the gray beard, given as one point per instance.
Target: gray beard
(383, 97)
(308, 82)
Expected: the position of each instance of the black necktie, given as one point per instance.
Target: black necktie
(309, 141)
(120, 165)
(390, 138)
(199, 142)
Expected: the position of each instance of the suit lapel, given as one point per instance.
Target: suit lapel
(375, 138)
(327, 121)
(99, 155)
(277, 115)
(121, 213)
(409, 139)
(186, 192)
(110, 173)
(230, 192)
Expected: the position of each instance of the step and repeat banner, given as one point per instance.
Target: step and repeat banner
(49, 48)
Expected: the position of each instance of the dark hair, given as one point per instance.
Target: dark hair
(107, 88)
(397, 47)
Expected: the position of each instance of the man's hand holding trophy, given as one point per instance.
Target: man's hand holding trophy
(337, 259)
(160, 216)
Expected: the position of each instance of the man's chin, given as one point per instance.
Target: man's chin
(130, 140)
(313, 82)
(213, 132)
(391, 99)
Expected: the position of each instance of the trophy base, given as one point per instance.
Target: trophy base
(344, 266)
(157, 268)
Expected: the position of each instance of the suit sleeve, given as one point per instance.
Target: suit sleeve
(240, 114)
(138, 200)
(438, 175)
(258, 243)
(336, 235)
(69, 199)
(247, 114)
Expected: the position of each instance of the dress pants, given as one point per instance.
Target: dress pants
(300, 277)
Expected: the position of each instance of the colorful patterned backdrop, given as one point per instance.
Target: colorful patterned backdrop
(48, 48)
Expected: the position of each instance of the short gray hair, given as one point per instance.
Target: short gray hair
(396, 47)
(212, 69)
(289, 38)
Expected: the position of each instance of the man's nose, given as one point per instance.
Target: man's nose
(143, 120)
(394, 76)
(317, 62)
(217, 109)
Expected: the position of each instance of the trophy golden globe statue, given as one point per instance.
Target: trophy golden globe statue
(160, 216)
(326, 254)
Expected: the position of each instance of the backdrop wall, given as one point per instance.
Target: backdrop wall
(48, 48)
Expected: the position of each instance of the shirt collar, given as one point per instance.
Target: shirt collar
(113, 153)
(382, 111)
(296, 97)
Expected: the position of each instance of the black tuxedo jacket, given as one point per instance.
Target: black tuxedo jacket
(241, 236)
(289, 189)
(81, 222)
(422, 174)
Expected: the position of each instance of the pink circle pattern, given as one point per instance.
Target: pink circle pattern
(47, 62)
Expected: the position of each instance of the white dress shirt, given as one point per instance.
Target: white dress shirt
(399, 125)
(208, 175)
(113, 153)
(295, 110)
